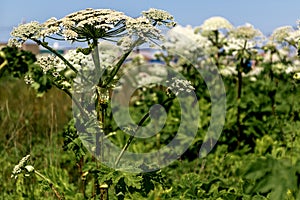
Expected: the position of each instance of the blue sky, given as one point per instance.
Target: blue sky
(265, 15)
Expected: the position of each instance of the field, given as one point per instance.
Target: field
(226, 98)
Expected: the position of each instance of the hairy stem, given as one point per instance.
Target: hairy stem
(239, 91)
(141, 122)
(120, 63)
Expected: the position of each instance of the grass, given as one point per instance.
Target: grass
(30, 125)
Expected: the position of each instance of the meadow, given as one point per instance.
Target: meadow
(243, 85)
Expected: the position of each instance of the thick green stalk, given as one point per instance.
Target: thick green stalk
(96, 57)
(141, 122)
(101, 105)
(120, 63)
(239, 91)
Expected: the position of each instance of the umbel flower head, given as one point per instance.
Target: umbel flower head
(215, 27)
(185, 42)
(244, 37)
(160, 17)
(245, 32)
(281, 33)
(179, 87)
(89, 25)
(216, 23)
(18, 168)
(24, 32)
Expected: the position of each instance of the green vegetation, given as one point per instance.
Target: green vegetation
(256, 156)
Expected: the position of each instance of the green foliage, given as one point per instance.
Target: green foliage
(277, 177)
(257, 156)
(15, 62)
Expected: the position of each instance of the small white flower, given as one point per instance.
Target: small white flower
(29, 168)
(28, 79)
(297, 76)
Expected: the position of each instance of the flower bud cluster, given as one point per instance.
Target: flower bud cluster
(179, 87)
(48, 62)
(18, 168)
(160, 16)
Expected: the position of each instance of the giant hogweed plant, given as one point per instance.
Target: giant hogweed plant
(94, 70)
(216, 43)
(243, 42)
(242, 53)
(272, 161)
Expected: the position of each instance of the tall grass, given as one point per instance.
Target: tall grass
(30, 125)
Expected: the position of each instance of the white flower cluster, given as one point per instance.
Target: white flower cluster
(216, 23)
(231, 71)
(23, 32)
(280, 34)
(48, 62)
(228, 71)
(179, 86)
(28, 79)
(159, 16)
(246, 32)
(154, 75)
(18, 168)
(78, 60)
(145, 79)
(50, 27)
(126, 43)
(270, 57)
(283, 35)
(280, 68)
(294, 37)
(93, 24)
(143, 28)
(84, 24)
(78, 25)
(109, 53)
(184, 42)
(243, 37)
